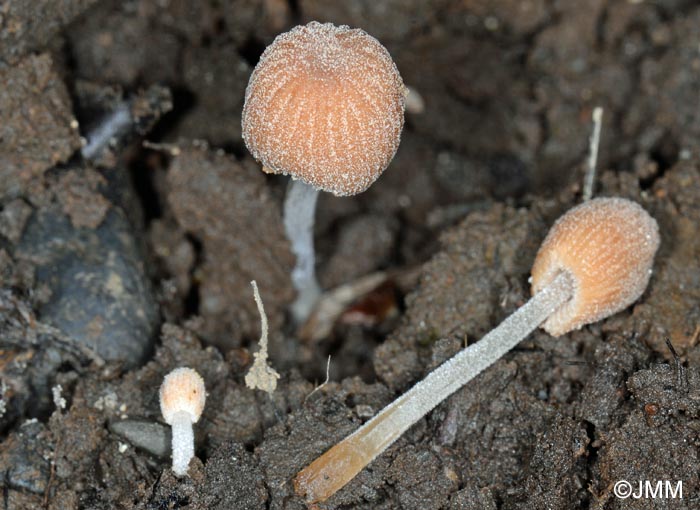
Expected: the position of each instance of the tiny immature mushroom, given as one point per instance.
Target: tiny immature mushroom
(595, 261)
(182, 397)
(325, 105)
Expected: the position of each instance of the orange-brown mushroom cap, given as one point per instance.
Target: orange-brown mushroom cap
(607, 245)
(325, 104)
(182, 390)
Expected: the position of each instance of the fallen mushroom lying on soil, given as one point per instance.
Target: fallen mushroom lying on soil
(595, 261)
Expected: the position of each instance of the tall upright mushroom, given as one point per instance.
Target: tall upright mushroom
(324, 105)
(595, 261)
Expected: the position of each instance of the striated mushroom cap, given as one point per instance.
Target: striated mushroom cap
(607, 245)
(325, 105)
(182, 390)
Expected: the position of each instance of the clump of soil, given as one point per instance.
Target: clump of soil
(119, 265)
(228, 209)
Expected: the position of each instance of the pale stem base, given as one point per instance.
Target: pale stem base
(299, 213)
(110, 127)
(183, 442)
(331, 471)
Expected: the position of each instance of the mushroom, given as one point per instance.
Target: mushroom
(324, 105)
(595, 261)
(182, 397)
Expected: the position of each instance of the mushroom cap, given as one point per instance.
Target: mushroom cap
(607, 245)
(182, 390)
(325, 105)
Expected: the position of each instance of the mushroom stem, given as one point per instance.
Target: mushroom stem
(593, 144)
(335, 468)
(299, 212)
(183, 442)
(112, 126)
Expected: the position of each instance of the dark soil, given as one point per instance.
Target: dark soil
(123, 259)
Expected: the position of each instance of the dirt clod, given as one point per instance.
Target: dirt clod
(227, 207)
(35, 122)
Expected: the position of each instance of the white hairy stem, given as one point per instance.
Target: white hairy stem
(341, 463)
(398, 416)
(109, 128)
(299, 213)
(183, 442)
(593, 144)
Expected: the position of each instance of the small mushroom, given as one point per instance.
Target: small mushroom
(324, 105)
(595, 261)
(182, 397)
